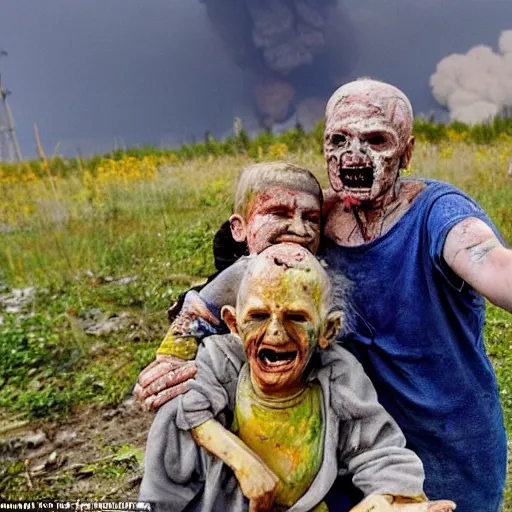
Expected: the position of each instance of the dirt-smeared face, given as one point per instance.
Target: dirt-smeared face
(279, 317)
(367, 139)
(281, 215)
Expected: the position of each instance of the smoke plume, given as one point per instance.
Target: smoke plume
(477, 86)
(289, 34)
(280, 42)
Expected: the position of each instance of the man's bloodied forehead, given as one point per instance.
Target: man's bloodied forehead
(370, 105)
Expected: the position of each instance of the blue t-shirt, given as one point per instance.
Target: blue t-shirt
(421, 343)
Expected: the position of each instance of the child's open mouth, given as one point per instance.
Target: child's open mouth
(276, 360)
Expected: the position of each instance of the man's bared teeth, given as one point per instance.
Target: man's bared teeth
(360, 177)
(276, 363)
(355, 177)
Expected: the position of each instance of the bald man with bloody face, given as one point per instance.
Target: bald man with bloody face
(421, 256)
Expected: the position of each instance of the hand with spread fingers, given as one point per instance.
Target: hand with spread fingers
(388, 503)
(164, 379)
(169, 375)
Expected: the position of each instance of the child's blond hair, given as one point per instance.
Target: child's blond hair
(257, 177)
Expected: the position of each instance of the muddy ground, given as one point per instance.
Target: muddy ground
(95, 455)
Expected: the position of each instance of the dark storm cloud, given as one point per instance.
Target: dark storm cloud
(93, 71)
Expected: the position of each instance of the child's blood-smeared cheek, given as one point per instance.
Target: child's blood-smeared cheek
(263, 231)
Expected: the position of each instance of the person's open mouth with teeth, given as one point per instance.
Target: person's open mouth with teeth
(363, 146)
(273, 359)
(279, 321)
(278, 348)
(362, 165)
(357, 176)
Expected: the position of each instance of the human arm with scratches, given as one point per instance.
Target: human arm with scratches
(474, 252)
(167, 376)
(199, 317)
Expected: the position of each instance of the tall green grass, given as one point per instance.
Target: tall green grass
(72, 239)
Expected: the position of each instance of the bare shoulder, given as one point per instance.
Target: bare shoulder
(411, 189)
(342, 228)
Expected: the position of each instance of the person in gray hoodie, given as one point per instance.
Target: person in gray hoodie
(276, 411)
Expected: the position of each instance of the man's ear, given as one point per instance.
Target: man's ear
(238, 228)
(331, 329)
(228, 314)
(407, 154)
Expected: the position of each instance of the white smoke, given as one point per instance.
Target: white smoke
(475, 87)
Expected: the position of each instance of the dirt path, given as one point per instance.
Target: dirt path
(96, 454)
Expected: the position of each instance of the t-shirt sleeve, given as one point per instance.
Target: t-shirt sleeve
(213, 389)
(223, 290)
(447, 211)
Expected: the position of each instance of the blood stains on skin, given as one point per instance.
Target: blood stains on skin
(368, 124)
(368, 137)
(282, 215)
(474, 237)
(363, 151)
(341, 226)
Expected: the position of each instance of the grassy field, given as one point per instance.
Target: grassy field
(114, 247)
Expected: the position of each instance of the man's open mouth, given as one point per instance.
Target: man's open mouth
(276, 360)
(357, 177)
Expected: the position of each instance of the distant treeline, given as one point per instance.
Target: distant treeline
(482, 133)
(266, 144)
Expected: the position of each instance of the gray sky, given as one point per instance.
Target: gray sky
(90, 72)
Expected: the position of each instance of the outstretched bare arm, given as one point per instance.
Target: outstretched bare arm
(475, 254)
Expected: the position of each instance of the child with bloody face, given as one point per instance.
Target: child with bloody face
(301, 409)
